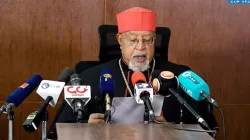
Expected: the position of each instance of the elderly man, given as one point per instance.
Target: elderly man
(136, 37)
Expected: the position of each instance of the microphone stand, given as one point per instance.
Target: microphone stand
(11, 121)
(40, 116)
(107, 117)
(183, 102)
(146, 115)
(44, 124)
(78, 109)
(7, 108)
(181, 113)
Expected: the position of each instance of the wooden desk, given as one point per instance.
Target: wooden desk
(73, 131)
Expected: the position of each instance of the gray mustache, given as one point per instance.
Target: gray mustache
(140, 54)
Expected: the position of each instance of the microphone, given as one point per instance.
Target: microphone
(195, 87)
(163, 81)
(198, 89)
(84, 65)
(77, 96)
(17, 97)
(107, 91)
(168, 81)
(50, 92)
(143, 92)
(64, 75)
(75, 79)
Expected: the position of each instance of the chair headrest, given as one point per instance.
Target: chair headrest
(110, 48)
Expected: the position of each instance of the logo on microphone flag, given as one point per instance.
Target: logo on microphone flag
(50, 88)
(77, 90)
(24, 85)
(82, 92)
(167, 74)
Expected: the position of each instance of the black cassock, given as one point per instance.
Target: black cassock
(171, 106)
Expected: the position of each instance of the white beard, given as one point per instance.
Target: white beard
(140, 68)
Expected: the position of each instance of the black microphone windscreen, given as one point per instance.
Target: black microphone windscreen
(75, 79)
(83, 65)
(166, 81)
(65, 75)
(156, 74)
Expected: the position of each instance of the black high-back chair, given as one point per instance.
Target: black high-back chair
(110, 49)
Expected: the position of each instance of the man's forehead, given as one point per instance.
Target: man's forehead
(140, 33)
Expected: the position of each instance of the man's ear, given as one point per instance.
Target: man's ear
(119, 39)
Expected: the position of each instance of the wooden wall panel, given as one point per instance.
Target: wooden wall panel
(43, 37)
(237, 122)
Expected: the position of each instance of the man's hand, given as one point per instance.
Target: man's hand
(160, 119)
(96, 118)
(157, 118)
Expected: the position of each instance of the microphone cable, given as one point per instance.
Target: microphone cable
(173, 125)
(223, 122)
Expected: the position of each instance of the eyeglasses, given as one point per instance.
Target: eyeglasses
(134, 42)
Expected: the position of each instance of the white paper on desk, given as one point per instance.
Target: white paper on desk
(128, 111)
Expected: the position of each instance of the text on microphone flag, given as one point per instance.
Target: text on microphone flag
(77, 90)
(47, 85)
(189, 75)
(144, 85)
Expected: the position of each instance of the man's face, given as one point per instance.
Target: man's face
(137, 48)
